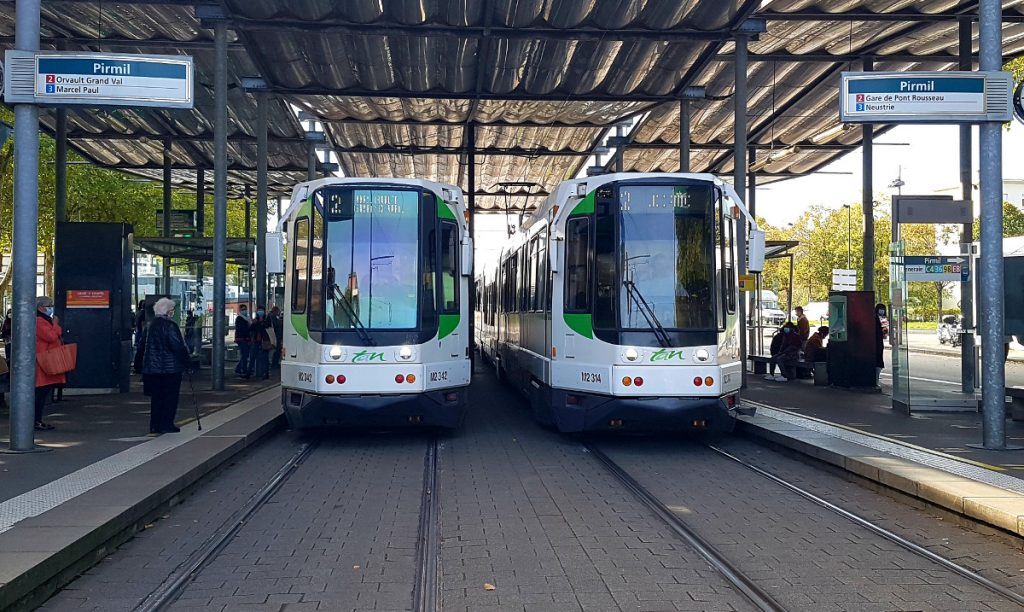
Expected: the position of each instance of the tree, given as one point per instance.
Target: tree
(1013, 222)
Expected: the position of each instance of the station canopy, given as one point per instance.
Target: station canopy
(397, 84)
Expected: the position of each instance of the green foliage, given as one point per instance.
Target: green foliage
(823, 235)
(1013, 222)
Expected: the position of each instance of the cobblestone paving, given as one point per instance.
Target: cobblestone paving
(138, 566)
(808, 557)
(529, 512)
(339, 535)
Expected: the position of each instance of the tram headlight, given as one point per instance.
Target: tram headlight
(631, 354)
(405, 353)
(335, 353)
(702, 354)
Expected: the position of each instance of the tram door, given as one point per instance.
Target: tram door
(92, 287)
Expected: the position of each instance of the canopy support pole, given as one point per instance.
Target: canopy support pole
(471, 200)
(311, 162)
(261, 199)
(684, 135)
(167, 213)
(220, 199)
(967, 373)
(740, 182)
(26, 242)
(200, 227)
(868, 198)
(60, 211)
(990, 148)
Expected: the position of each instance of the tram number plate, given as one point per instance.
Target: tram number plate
(590, 377)
(439, 376)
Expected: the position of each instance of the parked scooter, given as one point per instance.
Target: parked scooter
(949, 331)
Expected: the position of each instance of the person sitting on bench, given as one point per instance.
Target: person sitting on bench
(814, 348)
(788, 354)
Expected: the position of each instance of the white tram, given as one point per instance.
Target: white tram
(615, 304)
(377, 312)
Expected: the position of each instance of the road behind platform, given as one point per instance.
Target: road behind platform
(93, 427)
(530, 520)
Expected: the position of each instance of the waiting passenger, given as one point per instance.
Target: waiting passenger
(789, 353)
(260, 345)
(162, 357)
(242, 341)
(48, 333)
(815, 349)
(803, 326)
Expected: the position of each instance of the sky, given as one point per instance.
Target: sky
(930, 161)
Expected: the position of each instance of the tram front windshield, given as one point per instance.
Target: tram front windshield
(666, 257)
(372, 258)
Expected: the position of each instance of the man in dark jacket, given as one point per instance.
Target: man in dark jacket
(162, 357)
(789, 353)
(243, 341)
(260, 346)
(277, 324)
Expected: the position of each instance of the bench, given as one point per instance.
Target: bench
(1016, 395)
(804, 369)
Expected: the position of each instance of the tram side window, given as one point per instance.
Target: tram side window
(316, 272)
(300, 284)
(514, 282)
(577, 265)
(541, 272)
(449, 267)
(532, 272)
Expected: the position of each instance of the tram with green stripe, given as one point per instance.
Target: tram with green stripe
(616, 303)
(376, 328)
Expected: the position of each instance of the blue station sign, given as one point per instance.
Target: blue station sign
(938, 268)
(101, 79)
(925, 97)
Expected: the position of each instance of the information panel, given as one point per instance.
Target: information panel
(936, 269)
(925, 97)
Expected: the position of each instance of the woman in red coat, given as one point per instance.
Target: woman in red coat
(48, 333)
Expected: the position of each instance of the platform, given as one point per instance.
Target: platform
(922, 455)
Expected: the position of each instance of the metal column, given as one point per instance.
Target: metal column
(167, 213)
(471, 200)
(261, 199)
(247, 201)
(684, 135)
(867, 198)
(990, 296)
(200, 220)
(620, 150)
(752, 183)
(740, 180)
(311, 162)
(967, 373)
(60, 210)
(220, 199)
(25, 228)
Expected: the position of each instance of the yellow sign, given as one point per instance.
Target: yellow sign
(748, 282)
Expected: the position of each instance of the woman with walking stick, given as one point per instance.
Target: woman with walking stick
(162, 357)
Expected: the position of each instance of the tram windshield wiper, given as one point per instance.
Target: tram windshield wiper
(645, 309)
(342, 300)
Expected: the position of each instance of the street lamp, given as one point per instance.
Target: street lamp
(849, 233)
(898, 183)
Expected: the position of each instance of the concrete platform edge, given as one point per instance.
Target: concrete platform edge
(28, 577)
(981, 502)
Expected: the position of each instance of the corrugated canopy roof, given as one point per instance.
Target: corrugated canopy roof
(397, 83)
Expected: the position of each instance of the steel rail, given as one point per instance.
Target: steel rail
(744, 584)
(881, 531)
(176, 582)
(428, 551)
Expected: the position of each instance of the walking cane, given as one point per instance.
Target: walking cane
(195, 399)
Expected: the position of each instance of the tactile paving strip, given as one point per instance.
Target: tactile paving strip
(39, 500)
(896, 449)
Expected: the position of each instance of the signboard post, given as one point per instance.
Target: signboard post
(98, 79)
(938, 268)
(925, 97)
(183, 222)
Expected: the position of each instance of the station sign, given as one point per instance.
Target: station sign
(925, 97)
(88, 298)
(936, 268)
(747, 282)
(844, 280)
(98, 79)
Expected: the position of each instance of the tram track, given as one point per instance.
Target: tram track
(426, 590)
(757, 595)
(175, 584)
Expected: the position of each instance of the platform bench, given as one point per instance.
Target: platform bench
(804, 369)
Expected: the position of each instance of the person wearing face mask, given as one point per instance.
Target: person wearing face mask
(789, 353)
(260, 345)
(163, 357)
(879, 343)
(48, 333)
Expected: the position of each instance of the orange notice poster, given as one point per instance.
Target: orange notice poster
(88, 298)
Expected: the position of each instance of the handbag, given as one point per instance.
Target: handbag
(59, 360)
